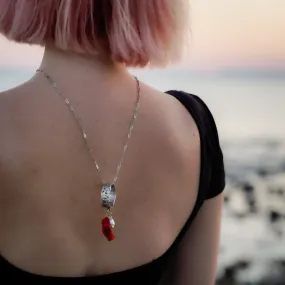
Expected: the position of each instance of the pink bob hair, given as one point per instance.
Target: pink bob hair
(134, 32)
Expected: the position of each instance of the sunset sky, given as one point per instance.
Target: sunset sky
(225, 33)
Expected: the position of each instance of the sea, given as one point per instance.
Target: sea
(249, 110)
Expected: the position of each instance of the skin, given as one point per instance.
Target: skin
(50, 212)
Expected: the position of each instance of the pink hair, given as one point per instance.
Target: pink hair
(134, 32)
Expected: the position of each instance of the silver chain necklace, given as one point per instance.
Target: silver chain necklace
(108, 190)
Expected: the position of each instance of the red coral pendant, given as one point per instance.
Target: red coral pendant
(107, 228)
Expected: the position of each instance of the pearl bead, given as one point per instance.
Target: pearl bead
(112, 222)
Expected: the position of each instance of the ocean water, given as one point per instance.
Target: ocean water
(249, 110)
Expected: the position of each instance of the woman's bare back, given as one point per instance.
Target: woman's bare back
(50, 212)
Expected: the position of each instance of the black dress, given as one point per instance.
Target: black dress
(212, 183)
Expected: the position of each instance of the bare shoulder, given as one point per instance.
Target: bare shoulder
(175, 135)
(11, 106)
(8, 109)
(7, 140)
(172, 120)
(14, 103)
(11, 100)
(175, 153)
(12, 122)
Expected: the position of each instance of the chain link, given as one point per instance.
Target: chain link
(84, 134)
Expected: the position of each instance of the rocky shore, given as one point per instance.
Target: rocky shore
(253, 232)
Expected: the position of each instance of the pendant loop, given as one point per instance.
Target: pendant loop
(108, 195)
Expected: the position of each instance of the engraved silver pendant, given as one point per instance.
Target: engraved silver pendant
(108, 195)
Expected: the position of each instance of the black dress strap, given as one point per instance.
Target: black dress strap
(212, 174)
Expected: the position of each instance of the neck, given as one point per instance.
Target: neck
(81, 69)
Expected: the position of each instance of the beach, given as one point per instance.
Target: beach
(249, 109)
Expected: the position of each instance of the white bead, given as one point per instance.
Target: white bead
(112, 222)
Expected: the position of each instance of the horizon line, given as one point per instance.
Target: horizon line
(207, 69)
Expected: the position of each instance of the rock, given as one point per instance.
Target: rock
(277, 191)
(262, 172)
(242, 264)
(252, 206)
(226, 199)
(247, 187)
(230, 273)
(274, 216)
(281, 264)
(239, 215)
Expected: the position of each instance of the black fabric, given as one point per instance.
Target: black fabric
(212, 183)
(210, 143)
